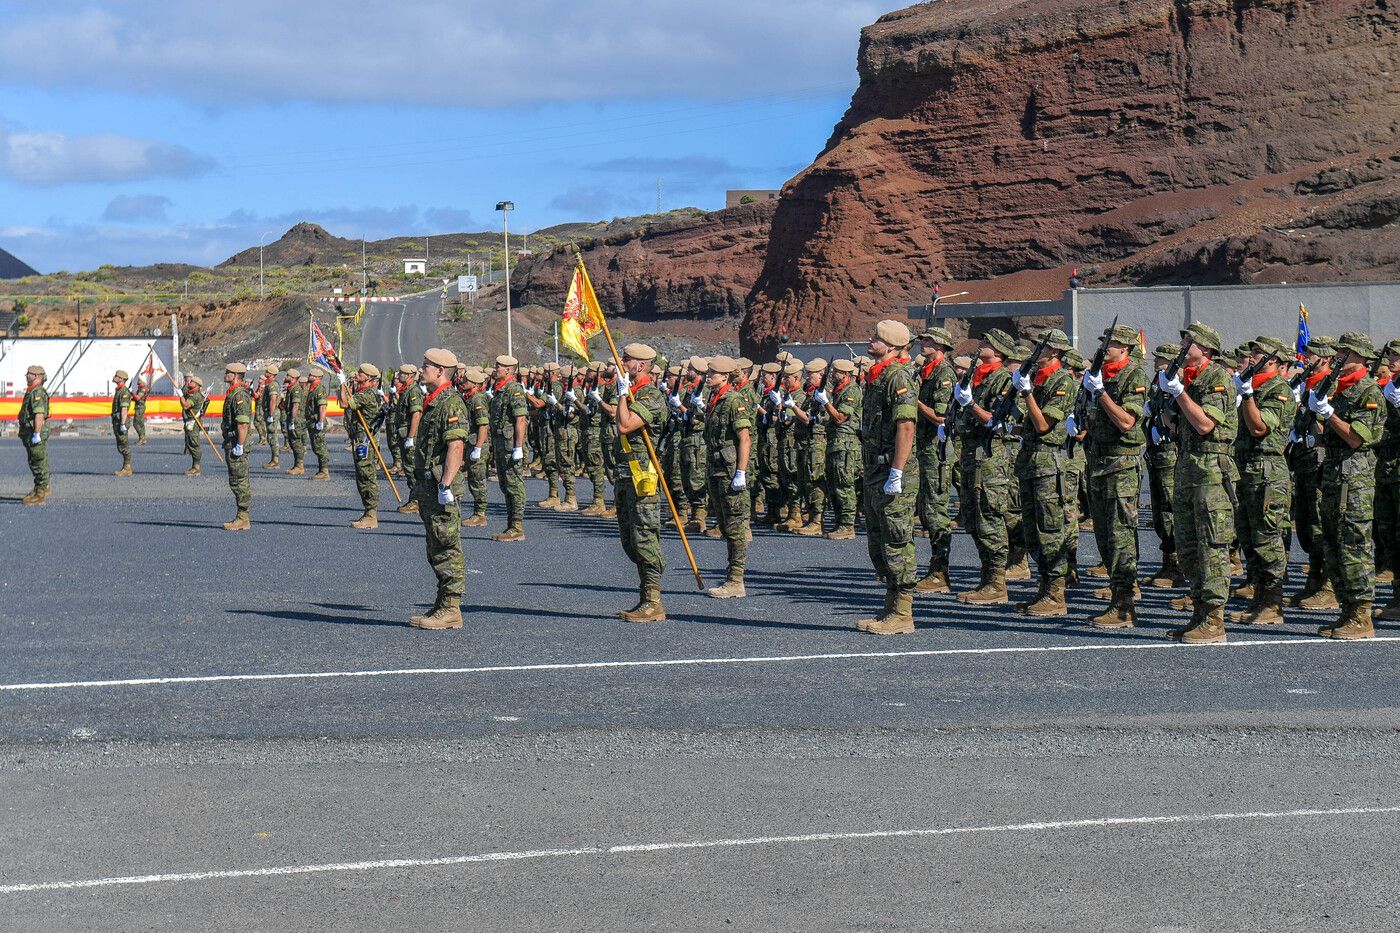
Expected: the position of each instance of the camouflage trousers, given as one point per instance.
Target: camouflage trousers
(38, 456)
(1265, 494)
(935, 489)
(812, 467)
(1160, 469)
(769, 480)
(1348, 486)
(591, 445)
(296, 440)
(138, 421)
(987, 502)
(1387, 533)
(193, 445)
(393, 440)
(1204, 512)
(842, 481)
(546, 452)
(1115, 484)
(1047, 502)
(272, 436)
(442, 528)
(366, 475)
(510, 476)
(123, 439)
(318, 446)
(789, 470)
(1307, 512)
(238, 477)
(565, 441)
(639, 525)
(732, 517)
(694, 469)
(476, 479)
(670, 469)
(889, 527)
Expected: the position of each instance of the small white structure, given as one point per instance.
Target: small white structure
(83, 366)
(415, 267)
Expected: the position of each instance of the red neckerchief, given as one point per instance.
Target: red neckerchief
(1346, 382)
(881, 366)
(1048, 370)
(643, 380)
(840, 386)
(435, 393)
(742, 383)
(1317, 377)
(716, 395)
(611, 380)
(983, 370)
(695, 386)
(1261, 378)
(314, 384)
(928, 366)
(1189, 373)
(1111, 370)
(502, 383)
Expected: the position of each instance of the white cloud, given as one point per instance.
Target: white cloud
(46, 157)
(136, 208)
(242, 52)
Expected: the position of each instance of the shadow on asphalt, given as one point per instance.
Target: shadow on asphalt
(307, 615)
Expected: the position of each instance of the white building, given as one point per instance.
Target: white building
(415, 267)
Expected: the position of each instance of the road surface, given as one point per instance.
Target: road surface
(395, 332)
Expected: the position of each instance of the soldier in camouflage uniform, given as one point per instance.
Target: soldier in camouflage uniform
(409, 412)
(1265, 496)
(640, 407)
(294, 419)
(237, 420)
(192, 405)
(1353, 420)
(1018, 565)
(891, 476)
(568, 409)
(936, 381)
(359, 399)
(1203, 504)
(811, 427)
(392, 431)
(727, 439)
(316, 403)
(121, 401)
(34, 432)
(694, 459)
(791, 438)
(591, 439)
(607, 401)
(542, 400)
(1115, 439)
(1161, 469)
(269, 404)
(843, 406)
(509, 429)
(1304, 454)
(1047, 496)
(769, 477)
(439, 484)
(472, 387)
(1388, 482)
(139, 397)
(986, 466)
(1076, 465)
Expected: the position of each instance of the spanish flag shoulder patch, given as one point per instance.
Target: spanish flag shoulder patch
(1371, 406)
(901, 391)
(1218, 389)
(1140, 390)
(453, 420)
(1059, 392)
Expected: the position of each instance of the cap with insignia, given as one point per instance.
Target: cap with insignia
(1357, 343)
(1167, 351)
(437, 356)
(894, 333)
(196, 380)
(698, 363)
(772, 368)
(864, 360)
(1122, 333)
(237, 368)
(937, 335)
(793, 368)
(271, 369)
(368, 369)
(743, 363)
(962, 362)
(638, 351)
(293, 373)
(35, 371)
(723, 365)
(474, 374)
(1055, 339)
(1000, 341)
(551, 367)
(816, 365)
(504, 360)
(121, 374)
(408, 369)
(1203, 335)
(783, 356)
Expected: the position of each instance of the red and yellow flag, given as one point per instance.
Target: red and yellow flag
(582, 316)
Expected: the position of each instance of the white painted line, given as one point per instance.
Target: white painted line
(650, 847)
(691, 662)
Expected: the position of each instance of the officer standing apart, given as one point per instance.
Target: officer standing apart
(360, 401)
(640, 407)
(121, 401)
(728, 424)
(438, 485)
(237, 419)
(192, 405)
(34, 432)
(139, 398)
(891, 476)
(509, 428)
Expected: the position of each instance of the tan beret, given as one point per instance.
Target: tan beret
(772, 367)
(440, 357)
(844, 366)
(595, 367)
(639, 351)
(863, 360)
(962, 362)
(474, 374)
(816, 365)
(408, 369)
(893, 333)
(674, 371)
(551, 367)
(35, 371)
(196, 380)
(743, 362)
(723, 365)
(783, 356)
(504, 360)
(271, 369)
(698, 363)
(792, 368)
(368, 369)
(121, 374)
(293, 374)
(236, 368)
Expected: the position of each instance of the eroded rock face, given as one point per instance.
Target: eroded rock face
(695, 267)
(993, 136)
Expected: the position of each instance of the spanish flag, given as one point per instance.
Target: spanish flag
(582, 316)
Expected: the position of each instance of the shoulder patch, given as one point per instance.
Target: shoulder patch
(900, 391)
(1371, 406)
(947, 383)
(453, 420)
(1281, 398)
(1141, 389)
(1059, 392)
(1218, 389)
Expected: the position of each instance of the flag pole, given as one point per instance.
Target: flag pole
(374, 445)
(651, 452)
(200, 421)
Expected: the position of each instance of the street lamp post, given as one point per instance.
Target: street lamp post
(505, 207)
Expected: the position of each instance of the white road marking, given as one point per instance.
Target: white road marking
(691, 662)
(402, 309)
(652, 847)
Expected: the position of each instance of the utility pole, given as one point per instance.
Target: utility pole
(505, 207)
(425, 256)
(364, 269)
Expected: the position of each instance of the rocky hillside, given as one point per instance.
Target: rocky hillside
(12, 268)
(1152, 141)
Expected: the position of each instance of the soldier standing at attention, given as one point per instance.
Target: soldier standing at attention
(936, 380)
(1265, 489)
(393, 432)
(812, 464)
(607, 401)
(843, 457)
(121, 401)
(1161, 470)
(791, 442)
(269, 404)
(294, 419)
(438, 485)
(509, 427)
(260, 407)
(34, 432)
(1388, 482)
(768, 471)
(1304, 455)
(234, 426)
(1047, 497)
(727, 438)
(192, 405)
(473, 390)
(591, 439)
(640, 407)
(409, 414)
(1353, 420)
(316, 403)
(1115, 440)
(891, 476)
(694, 461)
(567, 410)
(742, 380)
(1203, 504)
(138, 416)
(360, 401)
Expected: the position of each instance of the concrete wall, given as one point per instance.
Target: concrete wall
(83, 365)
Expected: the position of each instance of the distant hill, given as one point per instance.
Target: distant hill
(12, 268)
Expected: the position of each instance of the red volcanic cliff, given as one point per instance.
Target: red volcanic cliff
(1220, 140)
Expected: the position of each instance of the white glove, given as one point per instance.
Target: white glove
(739, 481)
(624, 384)
(1298, 393)
(963, 394)
(1320, 406)
(1174, 386)
(341, 377)
(789, 403)
(1245, 389)
(445, 496)
(490, 393)
(1156, 437)
(1311, 440)
(1071, 426)
(1392, 392)
(408, 443)
(35, 439)
(1019, 382)
(1092, 383)
(894, 484)
(696, 400)
(571, 396)
(476, 454)
(675, 400)
(121, 429)
(942, 432)
(1147, 411)
(238, 450)
(820, 397)
(594, 396)
(774, 397)
(553, 400)
(189, 426)
(320, 425)
(517, 453)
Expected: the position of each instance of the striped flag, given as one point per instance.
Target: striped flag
(1301, 348)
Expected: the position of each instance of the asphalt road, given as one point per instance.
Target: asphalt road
(176, 700)
(398, 331)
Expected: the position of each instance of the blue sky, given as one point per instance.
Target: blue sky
(135, 132)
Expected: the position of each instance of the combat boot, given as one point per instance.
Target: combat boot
(1106, 592)
(474, 520)
(641, 598)
(192, 471)
(1183, 603)
(297, 469)
(1354, 625)
(273, 464)
(1121, 613)
(699, 517)
(841, 533)
(1170, 574)
(1236, 565)
(936, 580)
(448, 615)
(551, 500)
(890, 593)
(125, 470)
(1321, 601)
(610, 512)
(992, 592)
(568, 505)
(813, 529)
(408, 508)
(33, 498)
(1017, 567)
(43, 494)
(1097, 572)
(650, 609)
(1041, 583)
(511, 534)
(1052, 601)
(1391, 612)
(1267, 608)
(240, 522)
(1245, 591)
(899, 620)
(731, 588)
(1311, 583)
(323, 474)
(1198, 612)
(714, 531)
(595, 508)
(366, 521)
(1209, 631)
(1385, 576)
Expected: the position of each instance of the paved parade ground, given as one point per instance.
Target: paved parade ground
(208, 729)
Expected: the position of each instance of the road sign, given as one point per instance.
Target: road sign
(466, 283)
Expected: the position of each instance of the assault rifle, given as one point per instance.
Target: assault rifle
(1157, 398)
(950, 415)
(1082, 400)
(1006, 401)
(1305, 419)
